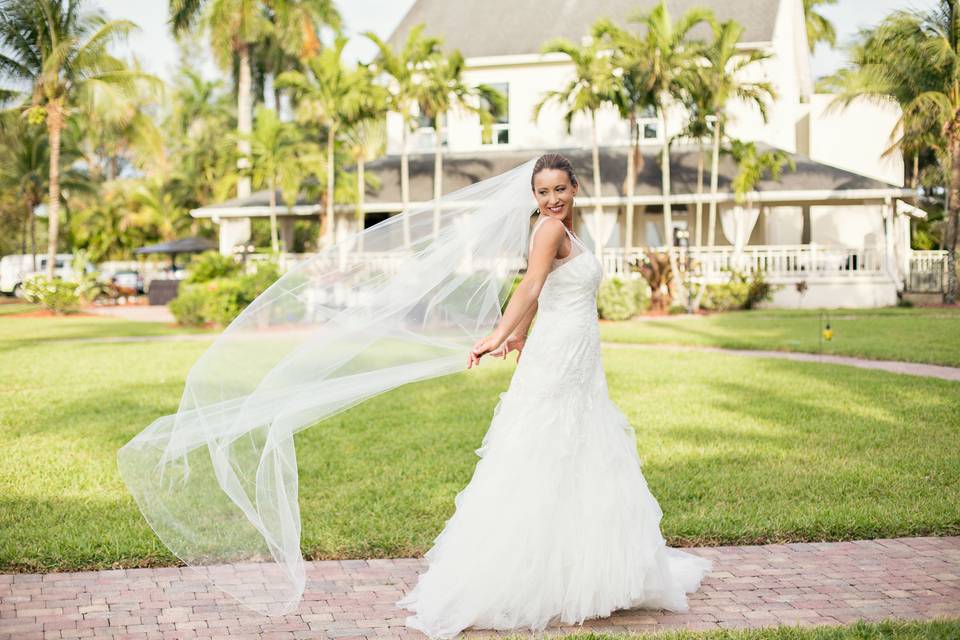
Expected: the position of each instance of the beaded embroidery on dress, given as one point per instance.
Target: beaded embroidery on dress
(557, 523)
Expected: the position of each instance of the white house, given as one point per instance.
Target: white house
(840, 222)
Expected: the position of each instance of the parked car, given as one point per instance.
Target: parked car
(15, 268)
(128, 280)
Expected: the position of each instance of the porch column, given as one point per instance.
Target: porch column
(286, 234)
(233, 231)
(888, 260)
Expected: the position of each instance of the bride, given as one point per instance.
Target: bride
(557, 522)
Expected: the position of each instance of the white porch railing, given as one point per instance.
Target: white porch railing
(775, 261)
(928, 271)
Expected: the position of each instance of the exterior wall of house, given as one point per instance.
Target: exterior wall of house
(789, 72)
(530, 77)
(855, 138)
(835, 293)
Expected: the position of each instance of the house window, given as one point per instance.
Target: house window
(424, 132)
(649, 124)
(500, 131)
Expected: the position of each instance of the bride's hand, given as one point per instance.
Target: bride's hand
(513, 343)
(484, 345)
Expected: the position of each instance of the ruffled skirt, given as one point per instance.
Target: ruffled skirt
(557, 524)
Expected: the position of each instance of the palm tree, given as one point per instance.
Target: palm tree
(331, 95)
(294, 36)
(753, 166)
(58, 52)
(201, 152)
(819, 29)
(670, 59)
(443, 90)
(404, 71)
(274, 150)
(913, 58)
(119, 130)
(634, 95)
(714, 85)
(365, 136)
(154, 210)
(593, 85)
(24, 171)
(234, 26)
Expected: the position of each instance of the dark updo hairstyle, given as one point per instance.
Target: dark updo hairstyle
(554, 161)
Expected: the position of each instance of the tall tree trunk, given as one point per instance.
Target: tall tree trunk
(597, 208)
(667, 209)
(33, 233)
(700, 163)
(714, 182)
(361, 192)
(631, 183)
(950, 238)
(437, 171)
(327, 230)
(25, 228)
(404, 175)
(665, 185)
(274, 241)
(54, 127)
(244, 118)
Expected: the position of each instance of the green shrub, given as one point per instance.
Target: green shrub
(220, 300)
(267, 272)
(617, 299)
(59, 295)
(188, 306)
(641, 290)
(740, 292)
(210, 265)
(758, 290)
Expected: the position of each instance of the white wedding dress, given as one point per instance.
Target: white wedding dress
(557, 522)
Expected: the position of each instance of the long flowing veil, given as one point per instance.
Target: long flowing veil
(403, 300)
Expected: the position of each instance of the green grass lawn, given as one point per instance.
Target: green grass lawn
(736, 450)
(930, 335)
(941, 629)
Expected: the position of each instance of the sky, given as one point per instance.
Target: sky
(157, 51)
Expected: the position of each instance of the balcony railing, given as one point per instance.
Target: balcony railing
(775, 261)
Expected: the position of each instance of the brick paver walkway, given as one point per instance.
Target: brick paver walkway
(751, 586)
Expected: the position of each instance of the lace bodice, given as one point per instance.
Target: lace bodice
(572, 284)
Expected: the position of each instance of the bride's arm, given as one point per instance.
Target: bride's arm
(522, 302)
(524, 326)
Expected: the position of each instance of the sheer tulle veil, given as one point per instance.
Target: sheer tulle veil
(403, 300)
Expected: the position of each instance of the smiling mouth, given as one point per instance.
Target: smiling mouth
(556, 209)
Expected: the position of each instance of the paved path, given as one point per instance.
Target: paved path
(135, 312)
(893, 366)
(751, 586)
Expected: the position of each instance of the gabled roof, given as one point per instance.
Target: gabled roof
(510, 27)
(462, 169)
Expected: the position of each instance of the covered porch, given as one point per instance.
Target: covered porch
(845, 235)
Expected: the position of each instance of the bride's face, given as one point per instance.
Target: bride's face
(554, 193)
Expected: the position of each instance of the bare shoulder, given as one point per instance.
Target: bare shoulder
(551, 228)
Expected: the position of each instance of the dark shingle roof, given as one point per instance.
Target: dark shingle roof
(462, 169)
(505, 27)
